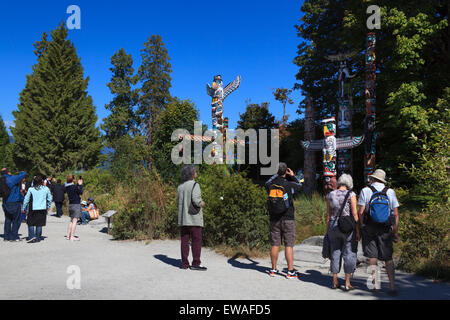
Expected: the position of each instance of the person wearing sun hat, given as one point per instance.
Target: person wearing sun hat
(378, 238)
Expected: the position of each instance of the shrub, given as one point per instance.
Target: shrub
(236, 209)
(310, 216)
(425, 243)
(144, 209)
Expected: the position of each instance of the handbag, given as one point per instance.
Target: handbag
(326, 250)
(193, 209)
(346, 224)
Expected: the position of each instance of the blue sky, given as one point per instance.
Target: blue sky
(255, 39)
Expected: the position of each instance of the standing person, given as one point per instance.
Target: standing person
(12, 203)
(41, 200)
(281, 188)
(190, 218)
(74, 191)
(378, 214)
(58, 197)
(23, 191)
(341, 205)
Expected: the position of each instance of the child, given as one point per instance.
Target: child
(84, 212)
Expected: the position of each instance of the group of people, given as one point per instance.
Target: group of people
(32, 201)
(346, 224)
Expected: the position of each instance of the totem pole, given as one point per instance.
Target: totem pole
(369, 130)
(309, 168)
(345, 114)
(218, 94)
(329, 145)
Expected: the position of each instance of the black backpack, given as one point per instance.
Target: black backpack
(5, 191)
(278, 200)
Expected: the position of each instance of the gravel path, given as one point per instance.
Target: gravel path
(112, 269)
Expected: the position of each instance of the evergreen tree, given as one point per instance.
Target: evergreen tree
(179, 114)
(4, 143)
(154, 77)
(55, 121)
(121, 120)
(256, 117)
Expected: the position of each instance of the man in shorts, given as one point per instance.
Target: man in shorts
(378, 239)
(282, 226)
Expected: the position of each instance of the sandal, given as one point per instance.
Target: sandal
(349, 288)
(335, 286)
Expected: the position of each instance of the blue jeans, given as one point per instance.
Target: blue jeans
(34, 232)
(85, 217)
(58, 206)
(13, 219)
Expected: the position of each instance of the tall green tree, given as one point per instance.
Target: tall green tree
(179, 114)
(256, 116)
(121, 121)
(154, 78)
(412, 61)
(55, 121)
(4, 143)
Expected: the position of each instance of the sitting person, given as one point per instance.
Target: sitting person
(92, 209)
(85, 217)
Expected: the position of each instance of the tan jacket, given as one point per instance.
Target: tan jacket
(184, 193)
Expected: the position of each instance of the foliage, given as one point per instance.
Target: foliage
(290, 150)
(4, 143)
(282, 95)
(256, 117)
(121, 121)
(179, 114)
(412, 59)
(128, 156)
(310, 216)
(146, 209)
(236, 209)
(431, 171)
(55, 121)
(425, 242)
(154, 77)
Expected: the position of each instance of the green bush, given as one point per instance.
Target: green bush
(145, 208)
(425, 242)
(236, 209)
(310, 216)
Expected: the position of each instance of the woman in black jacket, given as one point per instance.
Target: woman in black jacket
(58, 197)
(74, 192)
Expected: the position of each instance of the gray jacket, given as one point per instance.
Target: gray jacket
(184, 195)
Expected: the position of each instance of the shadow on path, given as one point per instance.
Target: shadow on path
(253, 265)
(170, 261)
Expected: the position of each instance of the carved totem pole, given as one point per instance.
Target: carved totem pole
(309, 165)
(344, 128)
(218, 94)
(329, 145)
(370, 93)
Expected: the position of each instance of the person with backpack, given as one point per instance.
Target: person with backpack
(12, 203)
(281, 188)
(342, 230)
(58, 197)
(39, 198)
(190, 218)
(378, 214)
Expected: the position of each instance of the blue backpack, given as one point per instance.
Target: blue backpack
(379, 210)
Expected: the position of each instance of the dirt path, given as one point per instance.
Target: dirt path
(111, 269)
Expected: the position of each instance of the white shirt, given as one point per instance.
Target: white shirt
(366, 193)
